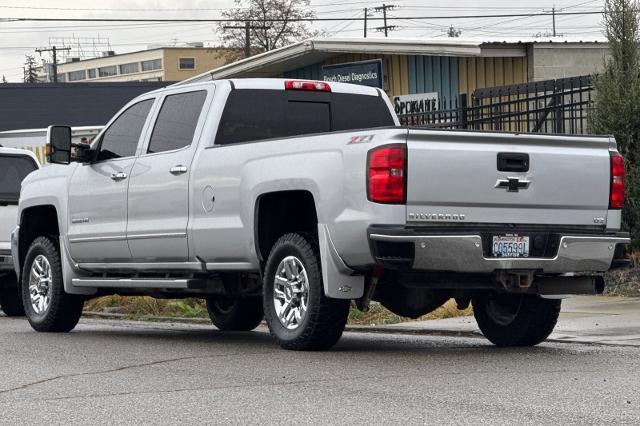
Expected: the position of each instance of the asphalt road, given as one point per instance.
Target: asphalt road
(119, 372)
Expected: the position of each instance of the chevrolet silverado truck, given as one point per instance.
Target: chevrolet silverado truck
(15, 165)
(287, 200)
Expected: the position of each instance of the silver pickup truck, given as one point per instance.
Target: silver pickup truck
(287, 200)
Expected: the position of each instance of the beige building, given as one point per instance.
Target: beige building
(159, 64)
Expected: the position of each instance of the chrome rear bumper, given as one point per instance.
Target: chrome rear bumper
(464, 253)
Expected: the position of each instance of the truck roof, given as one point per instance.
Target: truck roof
(18, 151)
(279, 84)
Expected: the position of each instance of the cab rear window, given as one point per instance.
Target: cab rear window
(13, 169)
(254, 115)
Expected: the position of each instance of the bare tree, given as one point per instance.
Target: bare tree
(282, 21)
(4, 79)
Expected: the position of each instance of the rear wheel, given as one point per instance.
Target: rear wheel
(296, 309)
(235, 314)
(10, 297)
(515, 319)
(48, 307)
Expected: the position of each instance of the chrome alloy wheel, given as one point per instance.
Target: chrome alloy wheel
(40, 284)
(291, 292)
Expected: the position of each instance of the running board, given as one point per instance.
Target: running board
(180, 284)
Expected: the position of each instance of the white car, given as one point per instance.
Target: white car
(15, 165)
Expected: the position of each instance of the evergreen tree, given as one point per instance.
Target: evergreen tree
(616, 107)
(30, 75)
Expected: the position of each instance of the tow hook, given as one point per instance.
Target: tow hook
(364, 302)
(512, 279)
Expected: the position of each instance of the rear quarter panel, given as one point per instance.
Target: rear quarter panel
(331, 168)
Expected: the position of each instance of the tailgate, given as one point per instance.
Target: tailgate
(507, 178)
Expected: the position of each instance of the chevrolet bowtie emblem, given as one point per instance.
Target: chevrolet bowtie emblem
(512, 184)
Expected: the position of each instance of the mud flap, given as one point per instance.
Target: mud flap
(70, 271)
(339, 283)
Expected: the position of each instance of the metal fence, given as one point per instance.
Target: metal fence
(550, 106)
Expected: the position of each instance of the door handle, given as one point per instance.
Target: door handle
(178, 170)
(118, 176)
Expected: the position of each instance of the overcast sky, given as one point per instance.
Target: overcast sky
(20, 38)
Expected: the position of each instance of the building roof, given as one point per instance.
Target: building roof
(34, 106)
(151, 48)
(315, 50)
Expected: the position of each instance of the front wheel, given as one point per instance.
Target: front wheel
(48, 307)
(10, 298)
(235, 314)
(515, 319)
(298, 313)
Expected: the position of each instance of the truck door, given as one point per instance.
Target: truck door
(98, 191)
(159, 185)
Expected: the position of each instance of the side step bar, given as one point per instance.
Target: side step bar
(182, 284)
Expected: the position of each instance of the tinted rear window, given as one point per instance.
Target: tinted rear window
(253, 115)
(13, 169)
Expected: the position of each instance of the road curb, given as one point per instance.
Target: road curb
(148, 318)
(349, 328)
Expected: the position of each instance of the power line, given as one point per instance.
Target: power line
(477, 16)
(247, 27)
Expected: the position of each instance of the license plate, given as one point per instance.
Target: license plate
(510, 246)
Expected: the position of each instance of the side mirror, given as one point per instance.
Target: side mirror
(59, 144)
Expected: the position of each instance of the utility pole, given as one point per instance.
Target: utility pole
(386, 28)
(247, 34)
(53, 50)
(365, 22)
(553, 17)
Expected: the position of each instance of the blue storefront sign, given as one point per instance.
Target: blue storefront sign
(366, 73)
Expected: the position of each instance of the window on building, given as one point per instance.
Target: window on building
(153, 64)
(177, 121)
(187, 63)
(92, 73)
(61, 78)
(121, 138)
(129, 68)
(77, 75)
(107, 71)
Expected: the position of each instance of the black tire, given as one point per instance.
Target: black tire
(515, 319)
(235, 314)
(325, 318)
(64, 310)
(10, 297)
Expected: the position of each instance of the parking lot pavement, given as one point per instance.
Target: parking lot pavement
(109, 371)
(584, 319)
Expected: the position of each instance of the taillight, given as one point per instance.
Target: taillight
(616, 193)
(386, 174)
(314, 86)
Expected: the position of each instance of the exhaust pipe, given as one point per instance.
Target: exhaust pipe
(555, 286)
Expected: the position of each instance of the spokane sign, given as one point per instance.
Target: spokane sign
(366, 73)
(415, 104)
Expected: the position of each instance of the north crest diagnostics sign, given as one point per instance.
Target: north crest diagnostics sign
(365, 73)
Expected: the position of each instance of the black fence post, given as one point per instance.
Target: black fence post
(462, 111)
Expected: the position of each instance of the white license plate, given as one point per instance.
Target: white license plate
(510, 246)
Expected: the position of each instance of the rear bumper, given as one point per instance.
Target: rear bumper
(396, 248)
